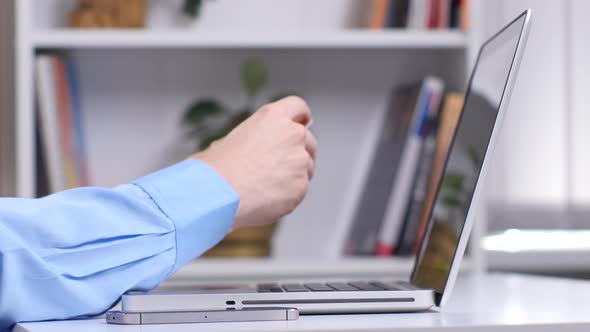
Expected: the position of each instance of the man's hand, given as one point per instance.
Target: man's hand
(268, 160)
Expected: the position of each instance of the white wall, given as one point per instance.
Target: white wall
(580, 100)
(544, 156)
(531, 164)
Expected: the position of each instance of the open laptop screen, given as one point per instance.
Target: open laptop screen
(465, 159)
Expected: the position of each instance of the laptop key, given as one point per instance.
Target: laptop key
(365, 286)
(268, 285)
(341, 286)
(318, 287)
(268, 288)
(385, 285)
(294, 288)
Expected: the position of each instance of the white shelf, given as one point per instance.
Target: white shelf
(557, 261)
(228, 269)
(268, 268)
(539, 250)
(402, 39)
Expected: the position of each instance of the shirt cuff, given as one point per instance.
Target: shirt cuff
(198, 201)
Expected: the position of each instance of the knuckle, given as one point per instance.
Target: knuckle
(265, 110)
(295, 99)
(296, 102)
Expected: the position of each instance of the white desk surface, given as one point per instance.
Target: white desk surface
(495, 302)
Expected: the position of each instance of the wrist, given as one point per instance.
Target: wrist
(204, 157)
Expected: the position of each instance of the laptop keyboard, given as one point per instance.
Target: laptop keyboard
(327, 287)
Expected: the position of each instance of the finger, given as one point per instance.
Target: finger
(311, 144)
(296, 108)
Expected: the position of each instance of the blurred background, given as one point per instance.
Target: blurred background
(100, 92)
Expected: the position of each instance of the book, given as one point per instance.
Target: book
(379, 14)
(397, 16)
(465, 22)
(426, 110)
(449, 119)
(444, 9)
(49, 123)
(407, 235)
(79, 140)
(417, 14)
(65, 123)
(372, 204)
(455, 14)
(61, 135)
(431, 14)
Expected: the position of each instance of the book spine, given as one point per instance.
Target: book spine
(379, 180)
(465, 21)
(443, 14)
(80, 152)
(380, 11)
(47, 108)
(411, 223)
(402, 14)
(405, 177)
(65, 124)
(446, 128)
(417, 16)
(432, 16)
(391, 20)
(409, 230)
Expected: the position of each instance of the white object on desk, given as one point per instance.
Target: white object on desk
(492, 302)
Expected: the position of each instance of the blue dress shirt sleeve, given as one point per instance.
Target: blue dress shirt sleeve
(74, 253)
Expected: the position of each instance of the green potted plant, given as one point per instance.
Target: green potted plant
(209, 119)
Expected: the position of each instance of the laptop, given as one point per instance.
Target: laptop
(442, 247)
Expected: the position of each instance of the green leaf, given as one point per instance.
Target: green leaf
(192, 8)
(200, 111)
(451, 201)
(253, 76)
(453, 181)
(473, 156)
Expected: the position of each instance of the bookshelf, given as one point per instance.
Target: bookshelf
(174, 38)
(135, 83)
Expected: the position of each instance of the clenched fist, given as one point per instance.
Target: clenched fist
(268, 160)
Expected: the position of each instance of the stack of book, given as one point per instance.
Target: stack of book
(420, 14)
(404, 174)
(61, 145)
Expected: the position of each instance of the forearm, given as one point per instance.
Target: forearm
(74, 253)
